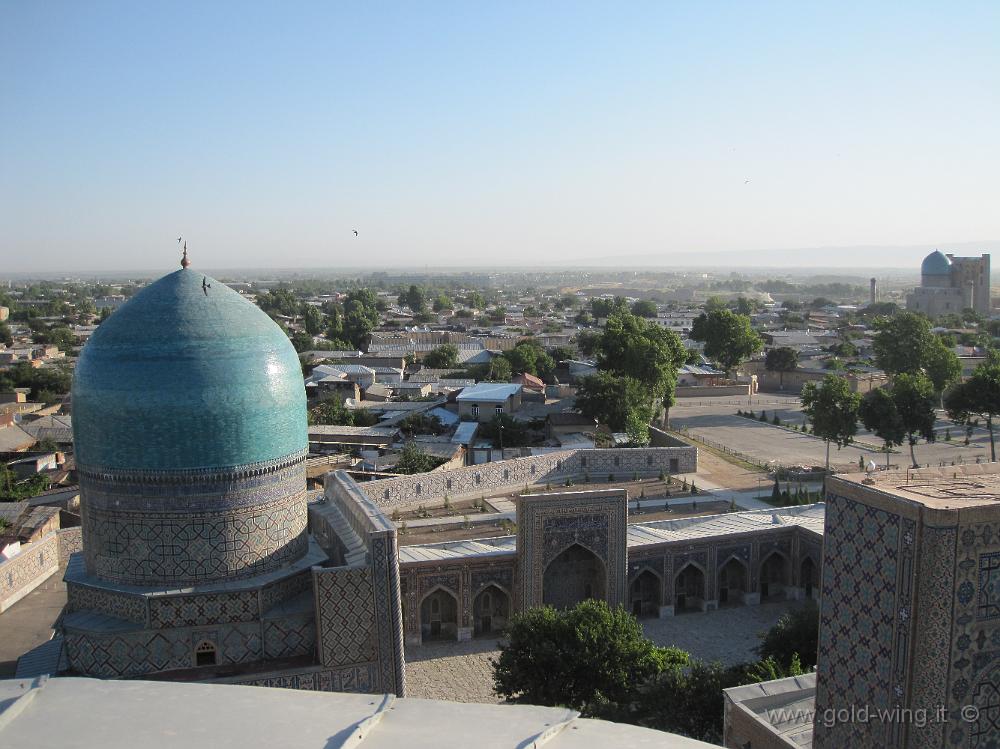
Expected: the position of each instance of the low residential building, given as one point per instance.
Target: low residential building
(529, 382)
(487, 400)
(331, 438)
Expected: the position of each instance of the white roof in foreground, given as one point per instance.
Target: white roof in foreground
(73, 712)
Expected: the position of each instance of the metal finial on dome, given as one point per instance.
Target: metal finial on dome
(185, 263)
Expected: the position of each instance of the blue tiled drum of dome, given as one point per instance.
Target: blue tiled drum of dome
(189, 415)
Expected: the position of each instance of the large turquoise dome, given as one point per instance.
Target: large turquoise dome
(187, 375)
(936, 264)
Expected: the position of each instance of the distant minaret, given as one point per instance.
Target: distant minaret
(873, 294)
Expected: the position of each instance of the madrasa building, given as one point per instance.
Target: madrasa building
(204, 558)
(950, 284)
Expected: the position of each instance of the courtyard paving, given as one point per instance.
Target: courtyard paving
(461, 671)
(28, 623)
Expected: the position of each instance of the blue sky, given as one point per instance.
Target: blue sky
(504, 133)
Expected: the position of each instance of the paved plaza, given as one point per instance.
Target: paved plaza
(461, 671)
(715, 419)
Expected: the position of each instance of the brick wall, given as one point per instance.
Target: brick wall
(552, 468)
(30, 568)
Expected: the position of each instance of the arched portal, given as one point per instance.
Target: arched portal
(645, 594)
(490, 609)
(732, 583)
(439, 616)
(689, 589)
(808, 579)
(773, 577)
(575, 575)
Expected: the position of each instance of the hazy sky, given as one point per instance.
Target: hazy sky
(488, 133)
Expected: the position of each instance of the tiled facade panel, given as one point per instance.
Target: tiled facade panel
(865, 620)
(157, 532)
(345, 615)
(362, 679)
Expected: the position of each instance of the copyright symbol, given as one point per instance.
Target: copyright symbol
(970, 713)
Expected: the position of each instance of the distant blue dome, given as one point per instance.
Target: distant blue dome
(936, 264)
(179, 378)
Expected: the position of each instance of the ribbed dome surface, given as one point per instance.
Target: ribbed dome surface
(179, 379)
(936, 264)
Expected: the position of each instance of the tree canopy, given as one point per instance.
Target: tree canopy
(573, 657)
(880, 416)
(781, 359)
(902, 342)
(833, 410)
(941, 365)
(644, 308)
(622, 403)
(444, 356)
(414, 460)
(728, 337)
(913, 395)
(529, 356)
(978, 396)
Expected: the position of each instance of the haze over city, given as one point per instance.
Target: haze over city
(467, 135)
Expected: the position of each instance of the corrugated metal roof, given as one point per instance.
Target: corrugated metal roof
(489, 391)
(465, 433)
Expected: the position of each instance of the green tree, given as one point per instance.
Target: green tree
(496, 370)
(6, 337)
(360, 316)
(415, 298)
(714, 304)
(745, 306)
(729, 339)
(302, 341)
(832, 409)
(684, 699)
(443, 302)
(507, 430)
(529, 356)
(587, 341)
(781, 359)
(795, 633)
(880, 416)
(476, 300)
(644, 308)
(603, 307)
(46, 383)
(902, 343)
(913, 395)
(414, 460)
(444, 356)
(622, 403)
(574, 657)
(312, 320)
(978, 396)
(941, 365)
